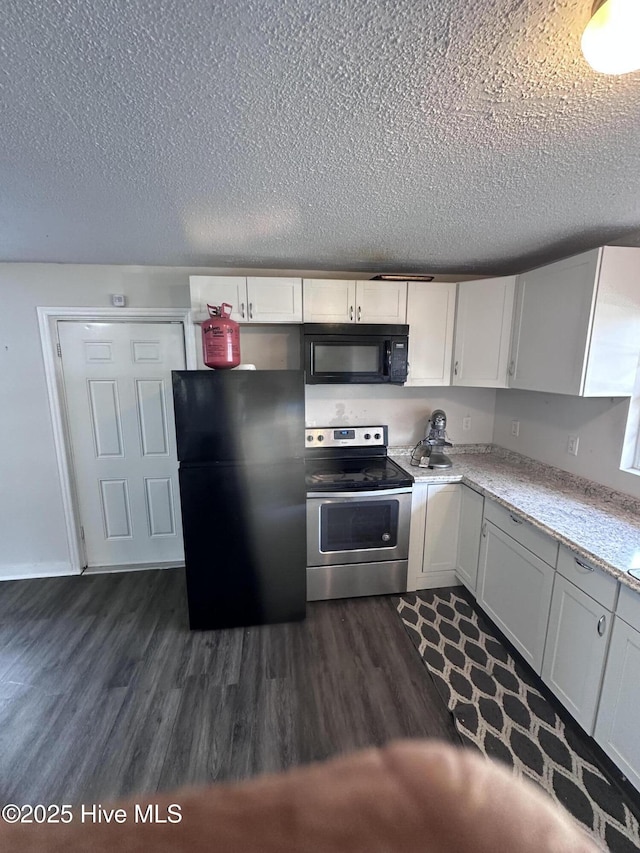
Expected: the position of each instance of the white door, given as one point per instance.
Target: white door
(117, 381)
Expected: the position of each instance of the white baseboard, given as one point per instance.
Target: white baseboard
(24, 571)
(130, 567)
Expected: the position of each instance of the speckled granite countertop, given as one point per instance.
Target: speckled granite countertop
(597, 523)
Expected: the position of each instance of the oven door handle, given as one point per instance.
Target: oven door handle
(379, 493)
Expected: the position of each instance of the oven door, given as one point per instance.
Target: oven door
(358, 527)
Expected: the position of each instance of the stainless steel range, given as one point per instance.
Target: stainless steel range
(358, 514)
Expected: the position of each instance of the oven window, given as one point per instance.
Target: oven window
(358, 525)
(346, 358)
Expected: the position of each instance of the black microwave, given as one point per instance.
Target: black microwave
(351, 353)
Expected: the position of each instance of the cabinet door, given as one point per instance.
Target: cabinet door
(440, 536)
(617, 721)
(430, 314)
(216, 289)
(274, 300)
(381, 301)
(327, 300)
(575, 650)
(514, 588)
(484, 316)
(552, 325)
(471, 506)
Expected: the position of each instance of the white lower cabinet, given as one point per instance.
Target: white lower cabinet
(471, 507)
(514, 588)
(576, 649)
(617, 730)
(433, 547)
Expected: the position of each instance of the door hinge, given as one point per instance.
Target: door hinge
(59, 349)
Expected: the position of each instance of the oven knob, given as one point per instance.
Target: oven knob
(309, 438)
(386, 537)
(320, 438)
(377, 435)
(367, 435)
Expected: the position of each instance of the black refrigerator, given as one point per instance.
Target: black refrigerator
(240, 436)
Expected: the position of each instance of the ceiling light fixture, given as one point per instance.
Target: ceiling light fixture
(400, 277)
(611, 40)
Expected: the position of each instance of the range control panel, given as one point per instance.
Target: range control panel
(360, 436)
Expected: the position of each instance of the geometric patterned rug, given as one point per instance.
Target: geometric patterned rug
(498, 709)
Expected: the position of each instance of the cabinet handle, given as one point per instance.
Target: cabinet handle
(584, 566)
(351, 313)
(251, 310)
(455, 368)
(602, 624)
(242, 310)
(512, 368)
(359, 313)
(514, 519)
(484, 530)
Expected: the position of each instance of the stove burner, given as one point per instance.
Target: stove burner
(374, 473)
(327, 476)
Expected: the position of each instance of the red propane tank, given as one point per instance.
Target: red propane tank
(220, 338)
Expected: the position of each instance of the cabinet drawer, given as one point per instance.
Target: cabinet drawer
(539, 543)
(588, 578)
(629, 606)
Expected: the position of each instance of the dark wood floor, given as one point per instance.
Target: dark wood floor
(104, 691)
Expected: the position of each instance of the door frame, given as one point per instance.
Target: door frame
(48, 318)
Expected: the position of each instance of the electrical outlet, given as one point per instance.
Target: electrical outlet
(515, 428)
(466, 423)
(572, 445)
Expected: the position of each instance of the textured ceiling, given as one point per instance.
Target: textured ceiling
(452, 136)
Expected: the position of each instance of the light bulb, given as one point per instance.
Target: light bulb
(611, 40)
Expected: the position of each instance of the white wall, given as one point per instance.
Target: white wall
(405, 410)
(546, 420)
(32, 530)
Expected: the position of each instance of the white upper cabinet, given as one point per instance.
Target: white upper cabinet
(577, 325)
(484, 317)
(430, 315)
(329, 300)
(254, 299)
(274, 300)
(216, 289)
(341, 301)
(381, 301)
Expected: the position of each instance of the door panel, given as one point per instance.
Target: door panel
(117, 381)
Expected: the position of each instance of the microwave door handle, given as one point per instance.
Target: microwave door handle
(387, 360)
